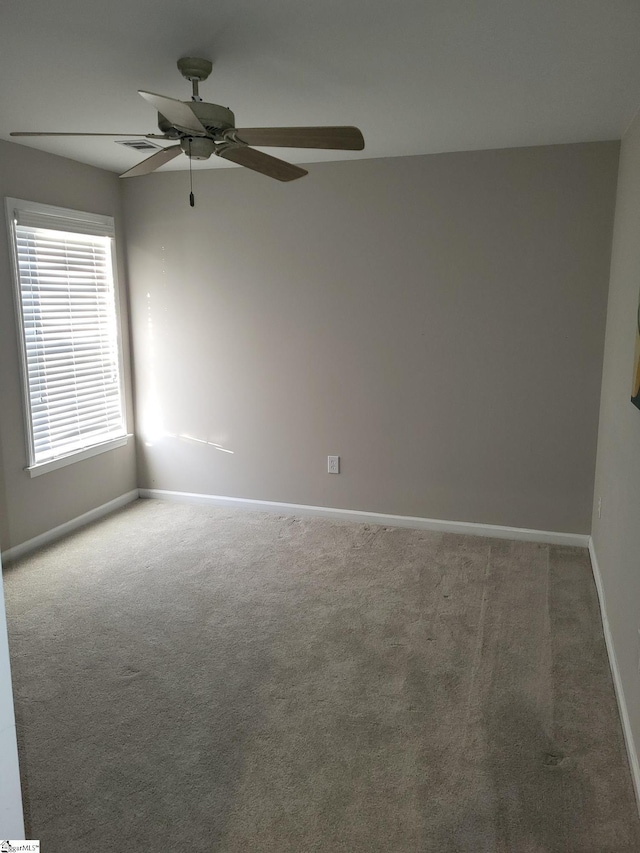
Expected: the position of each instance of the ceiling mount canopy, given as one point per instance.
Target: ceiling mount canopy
(194, 70)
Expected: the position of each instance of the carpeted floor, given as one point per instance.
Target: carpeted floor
(210, 680)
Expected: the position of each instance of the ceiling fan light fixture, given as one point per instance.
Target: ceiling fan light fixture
(198, 147)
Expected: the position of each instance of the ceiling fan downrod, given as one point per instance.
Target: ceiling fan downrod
(194, 69)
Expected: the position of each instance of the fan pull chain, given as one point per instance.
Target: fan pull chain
(192, 200)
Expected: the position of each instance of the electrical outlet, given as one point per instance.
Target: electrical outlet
(600, 507)
(333, 464)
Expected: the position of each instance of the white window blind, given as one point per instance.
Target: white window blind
(69, 321)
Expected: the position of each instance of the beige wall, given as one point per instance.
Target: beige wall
(616, 535)
(28, 506)
(436, 321)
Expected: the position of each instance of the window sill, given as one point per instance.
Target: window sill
(78, 456)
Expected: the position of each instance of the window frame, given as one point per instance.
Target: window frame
(103, 226)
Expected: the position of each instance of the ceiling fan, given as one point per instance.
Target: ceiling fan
(201, 129)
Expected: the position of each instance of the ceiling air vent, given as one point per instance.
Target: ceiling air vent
(138, 144)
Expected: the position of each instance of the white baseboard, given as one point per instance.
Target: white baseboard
(69, 526)
(617, 680)
(436, 524)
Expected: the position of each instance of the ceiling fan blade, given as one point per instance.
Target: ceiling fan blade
(344, 138)
(56, 133)
(153, 162)
(179, 114)
(260, 162)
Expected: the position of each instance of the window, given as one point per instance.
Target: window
(68, 322)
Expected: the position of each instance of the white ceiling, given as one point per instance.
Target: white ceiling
(417, 76)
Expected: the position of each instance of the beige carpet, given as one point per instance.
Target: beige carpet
(212, 680)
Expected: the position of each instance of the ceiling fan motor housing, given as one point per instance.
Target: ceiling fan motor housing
(215, 118)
